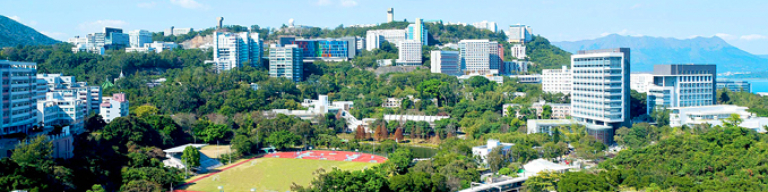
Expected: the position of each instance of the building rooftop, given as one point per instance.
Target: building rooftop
(539, 165)
(180, 148)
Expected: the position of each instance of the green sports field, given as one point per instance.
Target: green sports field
(270, 174)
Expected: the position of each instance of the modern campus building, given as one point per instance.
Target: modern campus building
(417, 32)
(486, 25)
(327, 49)
(734, 85)
(518, 51)
(446, 62)
(514, 67)
(138, 38)
(373, 38)
(479, 56)
(600, 95)
(409, 53)
(482, 151)
(17, 103)
(557, 80)
(59, 108)
(286, 61)
(681, 86)
(714, 115)
(640, 82)
(559, 110)
(519, 34)
(157, 47)
(231, 50)
(530, 79)
(113, 38)
(547, 125)
(114, 107)
(176, 31)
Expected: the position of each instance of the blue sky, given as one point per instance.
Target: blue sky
(742, 23)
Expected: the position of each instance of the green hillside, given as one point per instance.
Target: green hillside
(13, 33)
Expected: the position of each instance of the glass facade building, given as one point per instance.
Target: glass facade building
(681, 86)
(286, 62)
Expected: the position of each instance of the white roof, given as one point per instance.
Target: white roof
(179, 149)
(538, 165)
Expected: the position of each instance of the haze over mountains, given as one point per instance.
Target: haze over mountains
(13, 33)
(648, 51)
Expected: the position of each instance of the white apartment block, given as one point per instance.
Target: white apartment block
(682, 86)
(61, 109)
(446, 62)
(138, 38)
(640, 82)
(17, 103)
(518, 51)
(479, 56)
(417, 32)
(486, 25)
(373, 38)
(600, 95)
(519, 34)
(409, 53)
(114, 107)
(67, 86)
(557, 80)
(233, 49)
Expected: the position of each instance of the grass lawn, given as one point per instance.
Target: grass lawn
(271, 174)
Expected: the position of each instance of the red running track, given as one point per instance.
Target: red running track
(329, 155)
(314, 154)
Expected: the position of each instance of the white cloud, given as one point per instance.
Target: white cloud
(96, 26)
(725, 36)
(348, 3)
(753, 37)
(147, 5)
(323, 2)
(16, 18)
(189, 4)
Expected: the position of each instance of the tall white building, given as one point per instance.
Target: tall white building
(138, 38)
(114, 107)
(600, 96)
(518, 51)
(446, 62)
(682, 86)
(417, 32)
(479, 56)
(486, 25)
(390, 15)
(67, 86)
(233, 49)
(519, 34)
(373, 38)
(286, 61)
(640, 82)
(409, 53)
(59, 108)
(19, 87)
(557, 80)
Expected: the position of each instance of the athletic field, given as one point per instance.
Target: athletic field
(276, 172)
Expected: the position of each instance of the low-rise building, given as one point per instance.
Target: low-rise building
(714, 115)
(547, 125)
(403, 118)
(734, 85)
(559, 110)
(114, 107)
(482, 151)
(532, 79)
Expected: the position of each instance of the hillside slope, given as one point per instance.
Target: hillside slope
(648, 51)
(13, 33)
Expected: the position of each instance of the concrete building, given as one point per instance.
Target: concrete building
(519, 34)
(559, 110)
(69, 88)
(681, 86)
(505, 109)
(341, 49)
(403, 118)
(61, 109)
(157, 47)
(734, 85)
(482, 151)
(176, 31)
(547, 125)
(714, 115)
(233, 49)
(600, 95)
(409, 53)
(114, 38)
(373, 38)
(138, 38)
(518, 51)
(486, 25)
(557, 80)
(530, 79)
(417, 32)
(17, 104)
(114, 107)
(640, 82)
(446, 62)
(390, 15)
(479, 56)
(286, 62)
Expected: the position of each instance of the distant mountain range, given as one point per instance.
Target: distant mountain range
(13, 33)
(648, 51)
